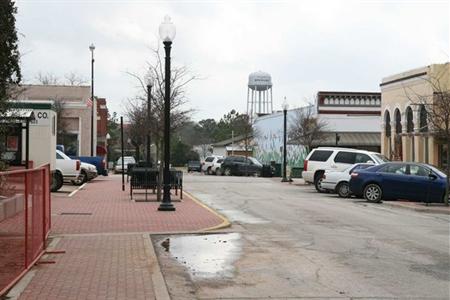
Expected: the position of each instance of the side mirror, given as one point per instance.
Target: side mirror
(432, 176)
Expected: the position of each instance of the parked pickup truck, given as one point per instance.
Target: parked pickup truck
(98, 161)
(67, 169)
(87, 173)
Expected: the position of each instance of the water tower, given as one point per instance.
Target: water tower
(259, 94)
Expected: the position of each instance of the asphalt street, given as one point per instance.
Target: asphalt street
(289, 242)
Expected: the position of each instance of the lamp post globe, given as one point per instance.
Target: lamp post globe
(167, 33)
(167, 30)
(285, 107)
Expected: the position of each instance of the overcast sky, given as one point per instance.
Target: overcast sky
(306, 46)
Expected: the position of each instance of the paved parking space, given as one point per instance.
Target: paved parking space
(297, 243)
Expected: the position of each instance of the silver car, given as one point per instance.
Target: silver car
(126, 160)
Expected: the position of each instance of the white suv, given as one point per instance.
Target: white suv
(209, 162)
(322, 159)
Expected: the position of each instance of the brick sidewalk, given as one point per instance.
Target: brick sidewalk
(106, 208)
(107, 246)
(95, 267)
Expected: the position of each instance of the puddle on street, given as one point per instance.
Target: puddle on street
(205, 256)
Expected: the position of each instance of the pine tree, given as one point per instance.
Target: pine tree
(10, 75)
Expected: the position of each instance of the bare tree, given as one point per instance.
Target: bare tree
(137, 128)
(437, 108)
(306, 128)
(47, 78)
(62, 122)
(180, 78)
(73, 78)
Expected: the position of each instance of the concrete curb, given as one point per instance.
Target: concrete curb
(159, 284)
(225, 222)
(425, 209)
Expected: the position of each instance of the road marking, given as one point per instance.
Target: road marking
(79, 188)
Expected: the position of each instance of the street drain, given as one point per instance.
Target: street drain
(75, 214)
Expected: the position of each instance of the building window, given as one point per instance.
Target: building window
(409, 120)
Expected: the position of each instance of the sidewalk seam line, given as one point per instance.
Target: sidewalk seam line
(225, 222)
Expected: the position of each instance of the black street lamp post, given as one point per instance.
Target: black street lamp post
(149, 108)
(285, 109)
(167, 33)
(92, 48)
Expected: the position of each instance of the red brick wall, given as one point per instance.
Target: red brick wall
(102, 120)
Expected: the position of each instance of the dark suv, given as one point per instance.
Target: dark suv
(240, 165)
(194, 166)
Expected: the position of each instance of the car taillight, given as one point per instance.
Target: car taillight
(78, 165)
(353, 175)
(305, 165)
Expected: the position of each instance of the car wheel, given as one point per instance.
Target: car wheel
(57, 181)
(227, 172)
(373, 193)
(318, 183)
(343, 190)
(81, 179)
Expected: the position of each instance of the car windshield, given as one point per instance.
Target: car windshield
(359, 167)
(255, 161)
(63, 155)
(437, 171)
(126, 160)
(381, 158)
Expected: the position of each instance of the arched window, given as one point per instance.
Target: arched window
(409, 120)
(387, 123)
(423, 119)
(398, 121)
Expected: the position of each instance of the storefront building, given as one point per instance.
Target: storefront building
(407, 134)
(351, 119)
(74, 108)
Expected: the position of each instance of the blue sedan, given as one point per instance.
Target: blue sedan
(398, 180)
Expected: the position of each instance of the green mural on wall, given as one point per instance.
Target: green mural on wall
(269, 147)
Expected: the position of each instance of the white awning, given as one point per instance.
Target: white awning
(352, 139)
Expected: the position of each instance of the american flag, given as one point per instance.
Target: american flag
(89, 102)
